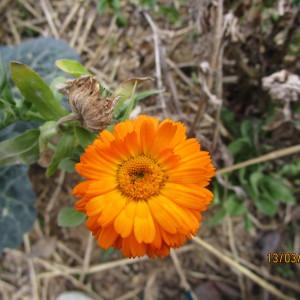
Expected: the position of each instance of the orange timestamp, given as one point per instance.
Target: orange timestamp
(283, 258)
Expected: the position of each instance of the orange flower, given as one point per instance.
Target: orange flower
(145, 186)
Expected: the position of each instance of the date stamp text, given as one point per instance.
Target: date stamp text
(283, 258)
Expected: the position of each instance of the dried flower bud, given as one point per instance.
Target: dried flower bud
(92, 109)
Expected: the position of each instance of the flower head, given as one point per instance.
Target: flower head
(145, 186)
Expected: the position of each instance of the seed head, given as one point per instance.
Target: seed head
(92, 109)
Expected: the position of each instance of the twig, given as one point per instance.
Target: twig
(13, 28)
(60, 182)
(87, 256)
(30, 26)
(212, 277)
(75, 281)
(104, 266)
(33, 278)
(157, 54)
(241, 269)
(90, 20)
(184, 78)
(77, 26)
(130, 295)
(69, 252)
(174, 92)
(3, 4)
(69, 17)
(292, 29)
(150, 291)
(219, 94)
(96, 55)
(270, 156)
(53, 199)
(183, 281)
(208, 96)
(215, 69)
(235, 255)
(48, 16)
(30, 8)
(6, 286)
(218, 35)
(287, 283)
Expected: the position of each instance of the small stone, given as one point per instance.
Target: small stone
(73, 296)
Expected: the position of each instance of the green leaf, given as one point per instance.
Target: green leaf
(7, 114)
(36, 91)
(84, 137)
(122, 105)
(247, 130)
(67, 165)
(217, 218)
(22, 149)
(72, 67)
(5, 90)
(127, 88)
(239, 146)
(48, 130)
(277, 190)
(170, 13)
(145, 94)
(216, 192)
(69, 217)
(255, 179)
(266, 205)
(64, 149)
(292, 169)
(234, 206)
(17, 206)
(248, 223)
(55, 84)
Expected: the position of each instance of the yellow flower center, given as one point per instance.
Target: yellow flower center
(140, 177)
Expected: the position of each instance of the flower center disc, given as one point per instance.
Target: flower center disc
(140, 177)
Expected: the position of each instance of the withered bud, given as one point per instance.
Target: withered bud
(93, 110)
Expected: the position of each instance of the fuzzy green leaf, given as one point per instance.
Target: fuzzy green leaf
(84, 137)
(266, 205)
(277, 190)
(69, 217)
(72, 67)
(64, 149)
(67, 165)
(234, 206)
(36, 91)
(48, 130)
(22, 149)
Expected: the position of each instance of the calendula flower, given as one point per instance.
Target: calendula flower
(145, 186)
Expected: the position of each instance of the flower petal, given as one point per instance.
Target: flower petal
(93, 188)
(144, 228)
(147, 135)
(124, 221)
(121, 130)
(96, 205)
(163, 218)
(115, 203)
(192, 196)
(107, 237)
